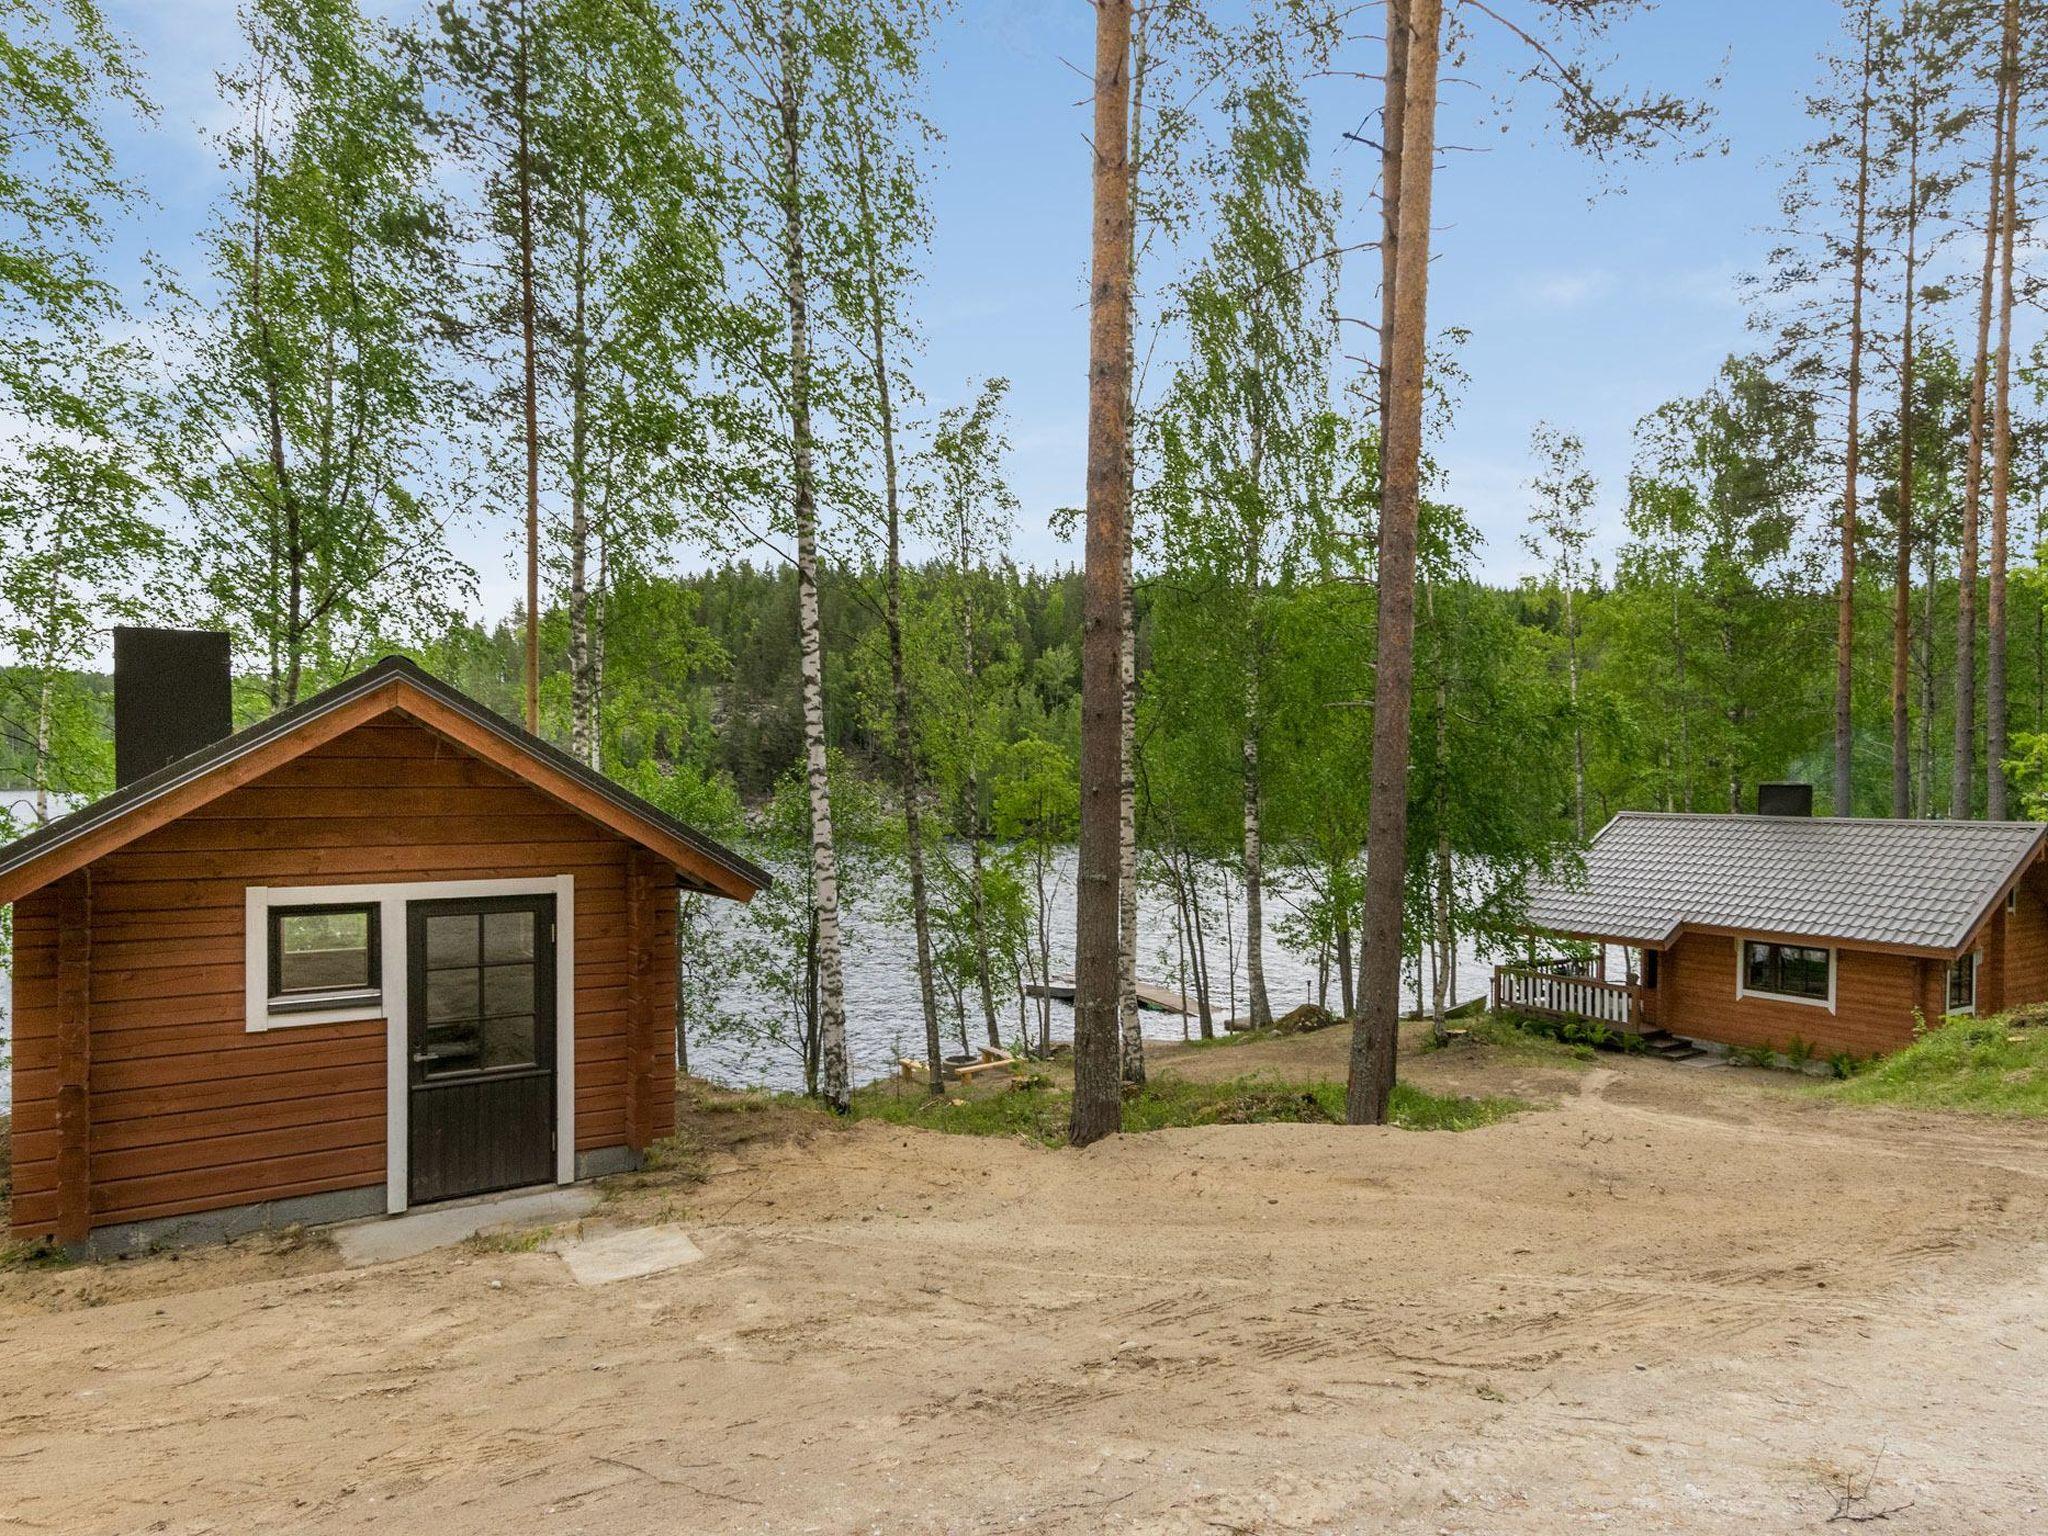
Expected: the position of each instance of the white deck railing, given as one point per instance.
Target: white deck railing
(1519, 989)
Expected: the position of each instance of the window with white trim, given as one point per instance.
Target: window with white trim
(1788, 970)
(1962, 984)
(324, 957)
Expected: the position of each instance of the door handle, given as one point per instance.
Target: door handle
(422, 1058)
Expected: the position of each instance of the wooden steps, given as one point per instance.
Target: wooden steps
(1666, 1046)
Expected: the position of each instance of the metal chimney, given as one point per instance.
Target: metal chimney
(171, 697)
(1784, 799)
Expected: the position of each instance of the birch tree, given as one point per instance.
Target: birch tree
(1561, 530)
(877, 139)
(773, 76)
(300, 434)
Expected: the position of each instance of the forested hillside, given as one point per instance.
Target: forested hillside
(623, 290)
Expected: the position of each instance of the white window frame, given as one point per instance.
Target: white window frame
(1743, 989)
(392, 901)
(1976, 959)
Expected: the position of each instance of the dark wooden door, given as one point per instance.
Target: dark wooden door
(481, 1004)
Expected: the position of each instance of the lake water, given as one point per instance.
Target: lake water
(883, 1016)
(885, 1020)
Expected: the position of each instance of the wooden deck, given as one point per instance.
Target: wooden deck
(1559, 995)
(1151, 998)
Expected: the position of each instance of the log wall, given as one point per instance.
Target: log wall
(188, 1110)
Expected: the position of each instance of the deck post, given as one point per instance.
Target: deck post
(74, 1057)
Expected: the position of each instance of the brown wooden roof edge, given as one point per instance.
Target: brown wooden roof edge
(745, 876)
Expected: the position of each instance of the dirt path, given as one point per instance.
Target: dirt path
(1674, 1302)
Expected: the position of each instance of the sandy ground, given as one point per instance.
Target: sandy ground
(1673, 1301)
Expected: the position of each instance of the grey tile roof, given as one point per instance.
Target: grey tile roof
(392, 669)
(1913, 884)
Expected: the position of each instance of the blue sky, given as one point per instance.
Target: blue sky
(1586, 307)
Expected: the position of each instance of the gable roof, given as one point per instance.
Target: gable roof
(394, 683)
(1921, 886)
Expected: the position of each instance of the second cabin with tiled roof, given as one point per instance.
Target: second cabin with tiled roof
(1763, 930)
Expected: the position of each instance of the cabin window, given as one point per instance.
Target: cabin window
(1962, 985)
(1787, 970)
(323, 957)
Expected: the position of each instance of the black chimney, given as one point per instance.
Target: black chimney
(1784, 799)
(170, 697)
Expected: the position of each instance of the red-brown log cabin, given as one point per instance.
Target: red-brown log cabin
(1773, 929)
(379, 949)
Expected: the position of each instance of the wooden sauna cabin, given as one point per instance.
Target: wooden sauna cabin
(380, 949)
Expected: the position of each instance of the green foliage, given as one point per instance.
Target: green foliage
(303, 427)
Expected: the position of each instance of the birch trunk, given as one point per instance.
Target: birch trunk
(2001, 456)
(1201, 946)
(1257, 1007)
(1097, 1102)
(834, 1069)
(1571, 639)
(582, 678)
(1375, 1033)
(899, 683)
(1443, 946)
(1132, 1062)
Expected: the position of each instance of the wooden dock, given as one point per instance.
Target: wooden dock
(1151, 998)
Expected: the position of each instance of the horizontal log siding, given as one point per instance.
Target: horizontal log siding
(1875, 995)
(191, 1112)
(2026, 942)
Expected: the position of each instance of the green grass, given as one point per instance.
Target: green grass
(1511, 1033)
(1040, 1113)
(1994, 1066)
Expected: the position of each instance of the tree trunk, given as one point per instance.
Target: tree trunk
(899, 683)
(582, 674)
(1964, 781)
(1044, 959)
(2001, 442)
(1571, 639)
(1845, 606)
(529, 347)
(1097, 1102)
(1930, 573)
(978, 897)
(835, 1070)
(1374, 1035)
(1257, 1007)
(1441, 941)
(685, 915)
(970, 787)
(1131, 1063)
(1343, 942)
(1902, 596)
(1201, 946)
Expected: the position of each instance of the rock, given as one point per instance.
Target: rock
(1303, 1020)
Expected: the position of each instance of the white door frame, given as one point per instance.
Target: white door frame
(392, 901)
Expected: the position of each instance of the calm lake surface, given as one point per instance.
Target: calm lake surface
(883, 1017)
(885, 1021)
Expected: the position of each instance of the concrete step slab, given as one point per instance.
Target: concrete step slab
(385, 1239)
